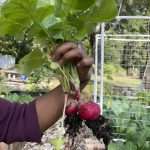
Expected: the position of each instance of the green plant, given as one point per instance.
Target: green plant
(144, 97)
(4, 90)
(110, 69)
(18, 48)
(21, 98)
(132, 120)
(52, 23)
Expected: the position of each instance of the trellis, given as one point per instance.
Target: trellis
(120, 39)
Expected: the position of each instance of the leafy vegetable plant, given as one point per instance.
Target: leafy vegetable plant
(53, 22)
(131, 123)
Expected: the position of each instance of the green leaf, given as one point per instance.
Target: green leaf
(43, 12)
(105, 10)
(116, 146)
(144, 135)
(54, 65)
(32, 61)
(42, 3)
(102, 11)
(119, 110)
(16, 12)
(131, 133)
(50, 21)
(58, 36)
(58, 7)
(21, 9)
(86, 21)
(83, 21)
(79, 4)
(112, 146)
(9, 27)
(58, 143)
(130, 146)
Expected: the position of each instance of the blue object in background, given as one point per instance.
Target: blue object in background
(23, 77)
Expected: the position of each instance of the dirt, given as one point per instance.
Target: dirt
(85, 140)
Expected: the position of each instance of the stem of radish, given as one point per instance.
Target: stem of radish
(65, 104)
(77, 96)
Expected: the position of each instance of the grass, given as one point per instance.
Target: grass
(124, 81)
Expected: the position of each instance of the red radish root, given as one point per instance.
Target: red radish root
(71, 109)
(89, 111)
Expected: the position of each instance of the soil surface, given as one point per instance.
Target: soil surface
(85, 140)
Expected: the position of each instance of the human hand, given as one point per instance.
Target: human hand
(74, 53)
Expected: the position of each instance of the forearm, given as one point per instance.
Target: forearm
(49, 108)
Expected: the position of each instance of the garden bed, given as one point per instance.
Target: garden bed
(85, 140)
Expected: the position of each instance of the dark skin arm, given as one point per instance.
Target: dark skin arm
(49, 107)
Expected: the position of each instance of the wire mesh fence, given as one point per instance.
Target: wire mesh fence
(126, 76)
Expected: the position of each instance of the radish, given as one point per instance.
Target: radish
(71, 109)
(85, 117)
(89, 111)
(77, 95)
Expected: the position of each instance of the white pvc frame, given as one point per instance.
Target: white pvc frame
(96, 69)
(101, 96)
(133, 17)
(101, 37)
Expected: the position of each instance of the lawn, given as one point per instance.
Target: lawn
(124, 81)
